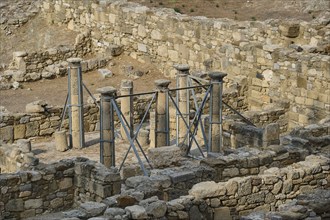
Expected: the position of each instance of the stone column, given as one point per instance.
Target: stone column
(107, 138)
(183, 103)
(61, 142)
(77, 139)
(162, 130)
(215, 134)
(127, 106)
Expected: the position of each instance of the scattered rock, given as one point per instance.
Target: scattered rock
(105, 73)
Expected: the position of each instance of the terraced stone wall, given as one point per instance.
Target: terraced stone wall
(280, 60)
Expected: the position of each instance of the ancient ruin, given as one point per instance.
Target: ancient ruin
(237, 126)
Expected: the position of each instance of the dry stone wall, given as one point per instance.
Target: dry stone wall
(266, 191)
(281, 60)
(54, 187)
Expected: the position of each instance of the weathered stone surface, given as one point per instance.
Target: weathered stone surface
(137, 212)
(93, 208)
(36, 106)
(105, 73)
(156, 209)
(126, 200)
(165, 156)
(208, 189)
(113, 212)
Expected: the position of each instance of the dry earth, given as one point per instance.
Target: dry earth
(241, 9)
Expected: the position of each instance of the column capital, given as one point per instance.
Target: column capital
(217, 76)
(74, 61)
(126, 84)
(181, 67)
(162, 84)
(107, 91)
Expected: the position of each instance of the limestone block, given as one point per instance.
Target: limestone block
(112, 212)
(156, 35)
(16, 205)
(36, 106)
(7, 134)
(105, 73)
(33, 203)
(115, 50)
(271, 134)
(208, 189)
(137, 212)
(24, 145)
(156, 209)
(290, 29)
(19, 131)
(61, 141)
(165, 156)
(65, 183)
(32, 129)
(222, 213)
(93, 208)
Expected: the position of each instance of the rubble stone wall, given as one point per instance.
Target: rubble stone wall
(240, 196)
(172, 182)
(55, 187)
(280, 60)
(14, 126)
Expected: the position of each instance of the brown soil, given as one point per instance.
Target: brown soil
(54, 91)
(235, 9)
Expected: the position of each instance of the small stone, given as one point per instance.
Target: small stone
(105, 73)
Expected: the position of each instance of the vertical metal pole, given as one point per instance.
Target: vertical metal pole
(76, 103)
(161, 131)
(183, 103)
(215, 117)
(70, 109)
(107, 138)
(126, 106)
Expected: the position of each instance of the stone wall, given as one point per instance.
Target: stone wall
(16, 157)
(281, 60)
(45, 120)
(14, 126)
(240, 196)
(178, 174)
(54, 187)
(273, 193)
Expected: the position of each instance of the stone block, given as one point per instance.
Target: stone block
(19, 131)
(290, 29)
(222, 213)
(93, 208)
(271, 134)
(208, 189)
(32, 129)
(33, 203)
(15, 205)
(7, 134)
(182, 176)
(137, 212)
(65, 183)
(165, 156)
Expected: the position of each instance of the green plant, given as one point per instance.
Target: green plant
(217, 5)
(151, 1)
(160, 3)
(183, 6)
(177, 10)
(253, 18)
(192, 10)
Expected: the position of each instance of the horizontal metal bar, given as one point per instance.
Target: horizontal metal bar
(135, 94)
(198, 78)
(190, 87)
